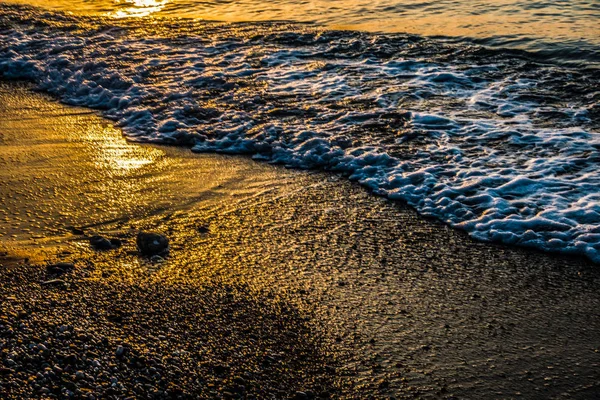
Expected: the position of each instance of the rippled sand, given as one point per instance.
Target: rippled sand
(411, 308)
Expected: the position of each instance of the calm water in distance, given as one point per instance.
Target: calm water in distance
(528, 24)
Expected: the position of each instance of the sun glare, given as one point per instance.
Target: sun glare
(138, 8)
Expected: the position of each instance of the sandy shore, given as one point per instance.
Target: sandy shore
(387, 302)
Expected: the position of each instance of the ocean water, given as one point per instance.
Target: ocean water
(552, 28)
(491, 126)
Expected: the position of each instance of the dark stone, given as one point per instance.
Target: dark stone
(100, 243)
(203, 229)
(221, 369)
(239, 380)
(116, 243)
(121, 351)
(116, 317)
(60, 268)
(384, 383)
(76, 231)
(238, 389)
(150, 243)
(71, 359)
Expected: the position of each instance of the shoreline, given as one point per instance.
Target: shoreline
(410, 307)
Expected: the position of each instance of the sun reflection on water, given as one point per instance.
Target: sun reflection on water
(111, 152)
(138, 8)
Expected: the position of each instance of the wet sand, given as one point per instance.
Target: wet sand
(402, 306)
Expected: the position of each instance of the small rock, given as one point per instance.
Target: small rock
(150, 243)
(60, 268)
(71, 359)
(203, 229)
(221, 369)
(384, 383)
(100, 243)
(116, 243)
(120, 351)
(239, 380)
(75, 231)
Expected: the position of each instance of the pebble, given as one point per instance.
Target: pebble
(76, 231)
(151, 243)
(100, 243)
(66, 346)
(60, 268)
(71, 359)
(120, 351)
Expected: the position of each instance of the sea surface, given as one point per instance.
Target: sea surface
(484, 114)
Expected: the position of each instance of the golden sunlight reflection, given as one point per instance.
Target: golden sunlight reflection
(138, 8)
(111, 152)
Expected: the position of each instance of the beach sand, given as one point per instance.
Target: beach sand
(360, 295)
